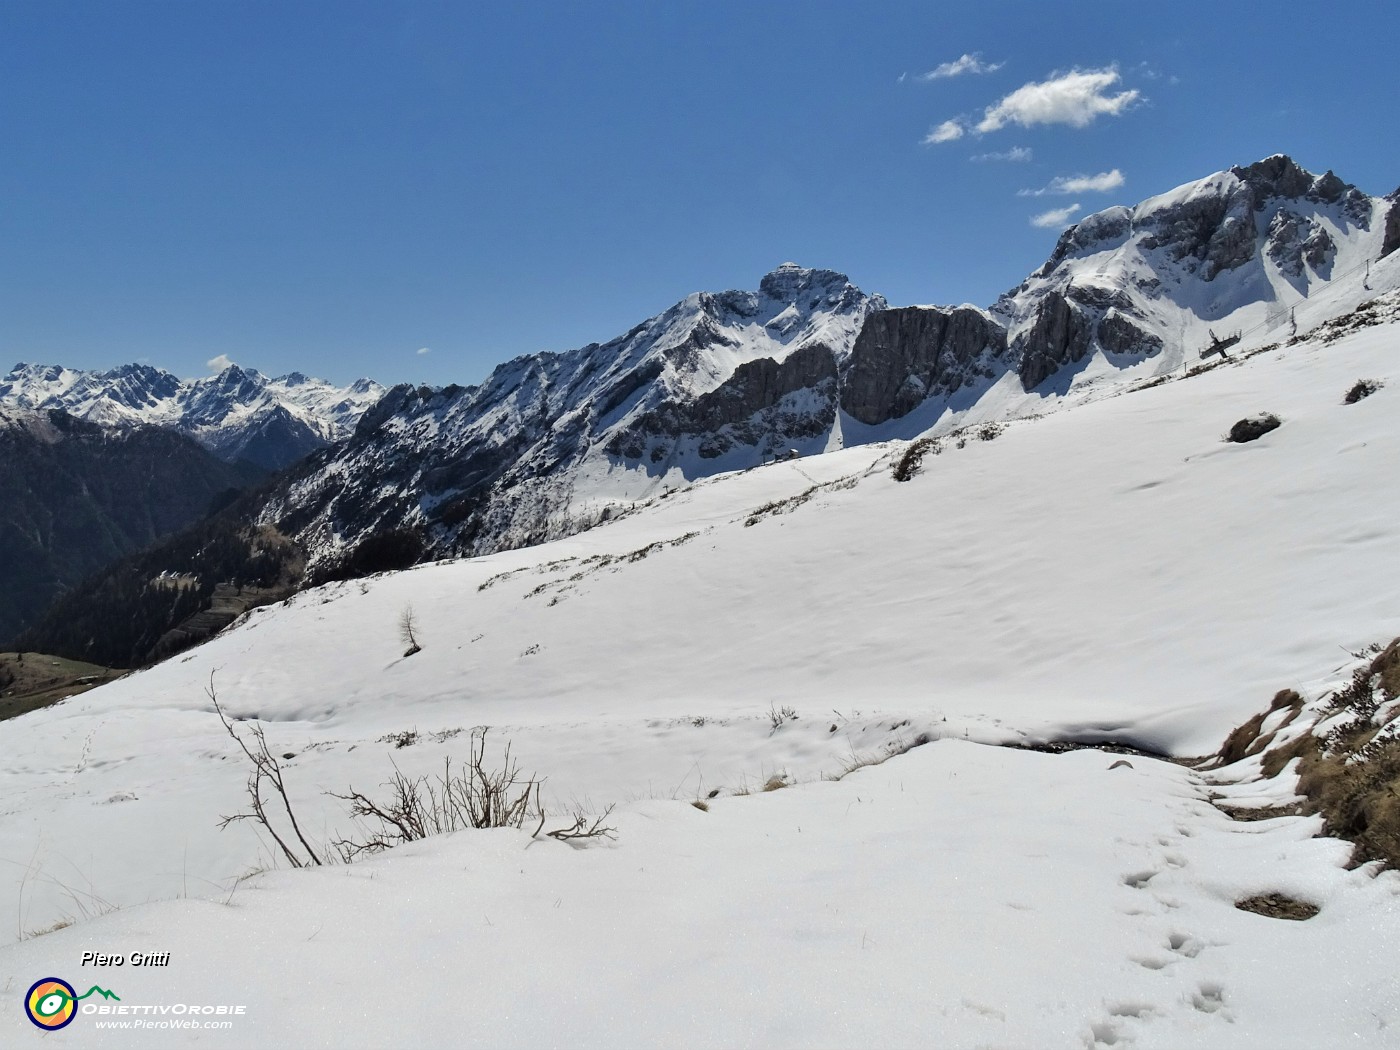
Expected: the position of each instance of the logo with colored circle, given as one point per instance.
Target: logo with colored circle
(51, 1003)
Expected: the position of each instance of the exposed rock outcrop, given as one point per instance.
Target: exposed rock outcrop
(1194, 229)
(903, 356)
(1294, 241)
(1059, 336)
(1119, 334)
(746, 408)
(1276, 176)
(1392, 225)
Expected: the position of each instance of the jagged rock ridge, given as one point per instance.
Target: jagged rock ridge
(551, 442)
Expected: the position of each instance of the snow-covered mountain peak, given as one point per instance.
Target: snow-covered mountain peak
(1281, 176)
(1211, 224)
(236, 413)
(791, 283)
(716, 372)
(1241, 251)
(793, 306)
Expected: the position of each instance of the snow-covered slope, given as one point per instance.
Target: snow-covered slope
(1113, 571)
(552, 443)
(237, 414)
(956, 897)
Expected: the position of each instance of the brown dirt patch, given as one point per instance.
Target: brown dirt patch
(1278, 906)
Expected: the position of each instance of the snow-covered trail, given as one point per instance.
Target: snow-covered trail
(956, 896)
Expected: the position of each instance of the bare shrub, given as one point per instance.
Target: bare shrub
(582, 827)
(266, 784)
(990, 431)
(778, 715)
(456, 799)
(407, 631)
(473, 797)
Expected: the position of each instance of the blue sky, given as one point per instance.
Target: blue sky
(336, 187)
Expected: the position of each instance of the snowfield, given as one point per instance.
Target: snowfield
(959, 895)
(1114, 571)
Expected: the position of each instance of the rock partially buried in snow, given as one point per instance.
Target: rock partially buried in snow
(1253, 428)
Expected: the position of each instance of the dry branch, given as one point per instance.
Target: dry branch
(266, 771)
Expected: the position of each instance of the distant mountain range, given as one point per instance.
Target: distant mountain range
(553, 443)
(237, 414)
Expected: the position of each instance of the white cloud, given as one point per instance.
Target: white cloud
(1054, 217)
(1016, 154)
(1071, 184)
(966, 64)
(218, 364)
(422, 350)
(1100, 183)
(1075, 98)
(945, 132)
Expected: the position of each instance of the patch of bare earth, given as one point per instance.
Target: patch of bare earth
(1350, 772)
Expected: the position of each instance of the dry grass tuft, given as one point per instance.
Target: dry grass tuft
(1351, 776)
(1364, 388)
(909, 463)
(1245, 740)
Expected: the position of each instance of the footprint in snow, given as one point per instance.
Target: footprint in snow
(1185, 945)
(1209, 998)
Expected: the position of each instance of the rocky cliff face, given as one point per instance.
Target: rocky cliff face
(1068, 325)
(903, 357)
(747, 409)
(1058, 336)
(1392, 224)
